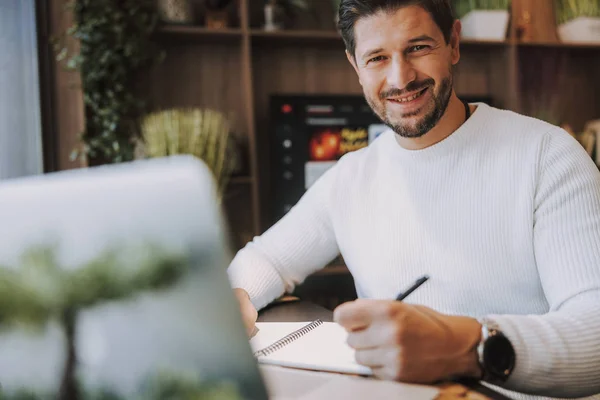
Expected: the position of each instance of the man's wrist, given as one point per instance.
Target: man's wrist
(241, 292)
(466, 364)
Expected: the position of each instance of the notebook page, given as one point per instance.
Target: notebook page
(322, 349)
(270, 332)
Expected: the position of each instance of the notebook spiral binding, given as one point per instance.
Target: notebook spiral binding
(284, 341)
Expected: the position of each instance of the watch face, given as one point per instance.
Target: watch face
(499, 356)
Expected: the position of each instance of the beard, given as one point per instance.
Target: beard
(437, 107)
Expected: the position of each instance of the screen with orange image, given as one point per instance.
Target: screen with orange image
(327, 144)
(330, 143)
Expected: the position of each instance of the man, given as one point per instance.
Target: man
(502, 211)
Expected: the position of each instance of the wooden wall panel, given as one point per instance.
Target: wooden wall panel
(561, 83)
(67, 95)
(237, 204)
(502, 77)
(472, 72)
(198, 75)
(293, 68)
(485, 71)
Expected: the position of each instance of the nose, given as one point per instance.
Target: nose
(401, 72)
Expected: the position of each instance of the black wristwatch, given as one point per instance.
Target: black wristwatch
(496, 354)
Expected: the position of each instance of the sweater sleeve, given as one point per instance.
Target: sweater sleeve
(302, 242)
(558, 354)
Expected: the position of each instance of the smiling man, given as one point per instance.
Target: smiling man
(502, 211)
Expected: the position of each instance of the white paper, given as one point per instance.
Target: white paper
(270, 332)
(323, 348)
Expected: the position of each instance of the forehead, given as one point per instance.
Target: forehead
(398, 26)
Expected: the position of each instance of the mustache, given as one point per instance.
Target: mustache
(413, 86)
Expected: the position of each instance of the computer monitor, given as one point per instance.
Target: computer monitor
(190, 331)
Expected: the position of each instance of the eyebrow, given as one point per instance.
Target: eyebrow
(371, 52)
(422, 38)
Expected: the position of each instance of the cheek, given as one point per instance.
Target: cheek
(437, 67)
(427, 68)
(372, 82)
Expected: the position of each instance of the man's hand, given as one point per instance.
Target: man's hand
(410, 343)
(249, 313)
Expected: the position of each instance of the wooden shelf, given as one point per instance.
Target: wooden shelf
(199, 33)
(302, 36)
(472, 42)
(561, 45)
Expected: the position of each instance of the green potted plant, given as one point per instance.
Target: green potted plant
(483, 19)
(578, 20)
(115, 46)
(203, 133)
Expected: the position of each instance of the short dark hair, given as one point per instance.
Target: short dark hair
(352, 10)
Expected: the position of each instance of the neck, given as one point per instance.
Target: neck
(453, 118)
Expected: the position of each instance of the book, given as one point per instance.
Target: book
(316, 345)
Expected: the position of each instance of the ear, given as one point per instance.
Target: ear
(455, 41)
(352, 61)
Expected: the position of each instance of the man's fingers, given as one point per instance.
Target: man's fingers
(351, 317)
(374, 358)
(250, 315)
(251, 329)
(249, 312)
(377, 334)
(359, 314)
(385, 373)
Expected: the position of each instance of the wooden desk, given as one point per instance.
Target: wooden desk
(293, 310)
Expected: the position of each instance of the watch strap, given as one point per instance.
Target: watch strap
(490, 332)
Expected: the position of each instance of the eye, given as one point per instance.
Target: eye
(376, 59)
(418, 47)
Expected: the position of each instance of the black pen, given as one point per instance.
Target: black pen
(411, 289)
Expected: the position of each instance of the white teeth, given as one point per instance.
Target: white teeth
(407, 99)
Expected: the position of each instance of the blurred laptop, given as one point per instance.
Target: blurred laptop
(190, 332)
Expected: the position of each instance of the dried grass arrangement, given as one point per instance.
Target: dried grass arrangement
(203, 133)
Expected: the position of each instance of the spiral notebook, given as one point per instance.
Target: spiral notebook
(315, 345)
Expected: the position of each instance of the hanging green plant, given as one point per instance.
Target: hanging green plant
(114, 47)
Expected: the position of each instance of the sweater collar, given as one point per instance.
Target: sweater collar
(455, 142)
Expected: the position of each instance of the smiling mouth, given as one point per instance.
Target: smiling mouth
(408, 99)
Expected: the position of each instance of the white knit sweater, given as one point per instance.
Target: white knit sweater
(504, 215)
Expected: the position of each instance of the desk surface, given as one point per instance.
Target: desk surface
(292, 310)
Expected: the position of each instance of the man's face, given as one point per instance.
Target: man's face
(405, 68)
